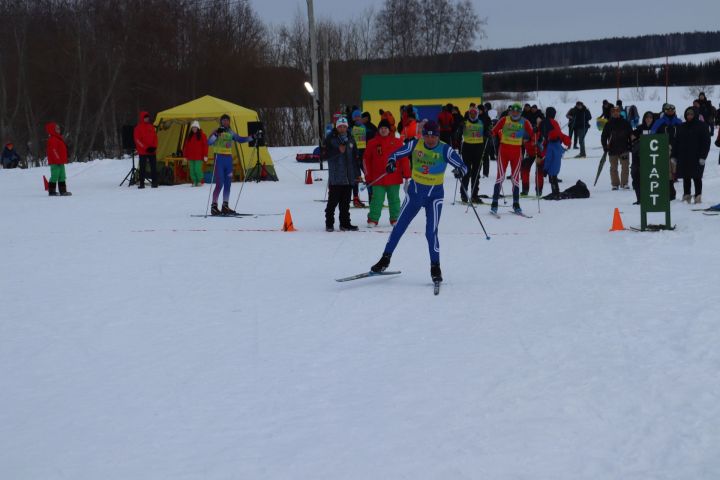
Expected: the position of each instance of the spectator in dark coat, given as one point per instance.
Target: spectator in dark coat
(10, 157)
(690, 150)
(342, 174)
(615, 141)
(570, 116)
(581, 123)
(643, 129)
(708, 112)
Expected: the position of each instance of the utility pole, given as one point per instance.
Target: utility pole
(313, 66)
(326, 83)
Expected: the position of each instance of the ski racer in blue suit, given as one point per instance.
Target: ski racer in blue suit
(429, 159)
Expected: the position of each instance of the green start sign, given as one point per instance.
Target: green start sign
(654, 178)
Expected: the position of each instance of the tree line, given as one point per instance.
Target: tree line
(91, 66)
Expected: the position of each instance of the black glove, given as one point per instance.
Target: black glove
(219, 131)
(390, 167)
(151, 149)
(458, 173)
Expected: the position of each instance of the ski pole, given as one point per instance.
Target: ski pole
(212, 183)
(456, 189)
(368, 185)
(487, 237)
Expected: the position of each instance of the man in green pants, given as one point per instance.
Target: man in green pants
(375, 159)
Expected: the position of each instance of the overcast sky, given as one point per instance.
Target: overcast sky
(525, 22)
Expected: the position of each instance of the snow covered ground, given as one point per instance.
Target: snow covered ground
(139, 342)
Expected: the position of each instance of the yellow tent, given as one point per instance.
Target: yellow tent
(249, 163)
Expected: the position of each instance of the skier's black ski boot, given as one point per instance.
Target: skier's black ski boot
(63, 189)
(226, 210)
(51, 189)
(214, 210)
(435, 272)
(382, 264)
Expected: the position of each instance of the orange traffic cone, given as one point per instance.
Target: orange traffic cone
(308, 177)
(288, 223)
(617, 222)
(47, 186)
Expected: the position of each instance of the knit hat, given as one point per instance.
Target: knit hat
(356, 114)
(341, 121)
(195, 123)
(516, 107)
(383, 123)
(431, 128)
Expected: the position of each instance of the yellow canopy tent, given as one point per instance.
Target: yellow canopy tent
(251, 163)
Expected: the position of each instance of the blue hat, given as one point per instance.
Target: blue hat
(431, 128)
(356, 114)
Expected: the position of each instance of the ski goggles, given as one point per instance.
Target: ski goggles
(669, 108)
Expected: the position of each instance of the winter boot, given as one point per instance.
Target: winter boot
(476, 199)
(357, 203)
(226, 210)
(698, 199)
(516, 209)
(51, 189)
(555, 188)
(493, 208)
(372, 223)
(214, 210)
(686, 198)
(348, 228)
(63, 189)
(382, 264)
(435, 272)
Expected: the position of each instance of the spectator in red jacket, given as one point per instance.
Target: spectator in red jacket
(376, 155)
(57, 158)
(146, 142)
(195, 152)
(445, 120)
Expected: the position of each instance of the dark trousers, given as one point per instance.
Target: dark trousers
(635, 174)
(687, 184)
(338, 196)
(153, 168)
(472, 155)
(571, 132)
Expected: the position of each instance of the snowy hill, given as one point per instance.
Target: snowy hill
(139, 342)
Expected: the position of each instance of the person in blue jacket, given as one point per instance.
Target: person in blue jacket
(429, 159)
(9, 157)
(222, 141)
(668, 124)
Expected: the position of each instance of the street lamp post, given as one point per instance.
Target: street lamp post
(317, 113)
(313, 58)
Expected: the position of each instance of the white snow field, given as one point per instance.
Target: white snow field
(138, 342)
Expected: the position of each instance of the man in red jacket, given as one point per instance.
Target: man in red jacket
(146, 142)
(445, 120)
(512, 130)
(376, 154)
(57, 158)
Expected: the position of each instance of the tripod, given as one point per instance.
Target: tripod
(130, 177)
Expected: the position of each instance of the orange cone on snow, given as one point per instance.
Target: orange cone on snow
(308, 177)
(617, 222)
(47, 186)
(288, 223)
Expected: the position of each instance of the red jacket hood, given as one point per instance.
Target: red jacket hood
(142, 115)
(50, 129)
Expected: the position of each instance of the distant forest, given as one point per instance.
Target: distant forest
(551, 61)
(91, 66)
